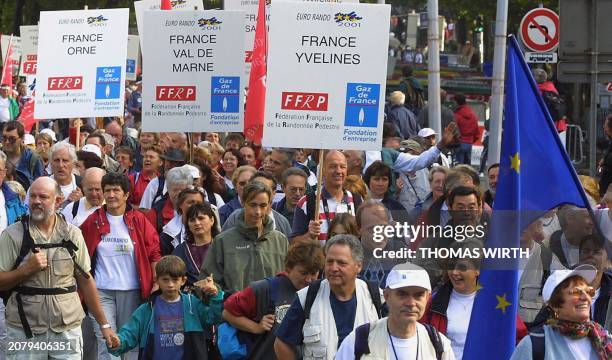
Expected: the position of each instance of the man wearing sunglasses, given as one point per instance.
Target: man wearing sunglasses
(27, 163)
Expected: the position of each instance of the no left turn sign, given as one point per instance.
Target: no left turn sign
(540, 30)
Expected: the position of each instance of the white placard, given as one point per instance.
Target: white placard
(81, 63)
(327, 67)
(4, 42)
(194, 71)
(133, 57)
(251, 8)
(145, 5)
(29, 49)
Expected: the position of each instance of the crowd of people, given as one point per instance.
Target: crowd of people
(119, 242)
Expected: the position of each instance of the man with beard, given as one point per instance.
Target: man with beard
(42, 261)
(468, 221)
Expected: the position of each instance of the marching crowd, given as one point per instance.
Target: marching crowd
(118, 242)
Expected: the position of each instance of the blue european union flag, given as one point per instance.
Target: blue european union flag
(535, 176)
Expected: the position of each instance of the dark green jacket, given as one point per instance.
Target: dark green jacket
(238, 257)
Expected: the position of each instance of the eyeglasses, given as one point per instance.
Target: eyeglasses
(578, 291)
(10, 139)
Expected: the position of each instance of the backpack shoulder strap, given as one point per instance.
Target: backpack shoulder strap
(546, 257)
(75, 208)
(261, 290)
(436, 340)
(361, 340)
(310, 205)
(538, 345)
(26, 244)
(374, 291)
(33, 163)
(311, 294)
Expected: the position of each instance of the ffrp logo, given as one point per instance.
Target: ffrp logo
(65, 83)
(175, 93)
(304, 101)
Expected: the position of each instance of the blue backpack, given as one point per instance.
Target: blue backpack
(234, 344)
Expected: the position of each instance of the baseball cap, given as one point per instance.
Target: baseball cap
(49, 132)
(425, 132)
(587, 272)
(195, 173)
(404, 275)
(92, 149)
(28, 139)
(411, 145)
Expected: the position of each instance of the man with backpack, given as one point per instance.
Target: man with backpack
(326, 311)
(415, 95)
(42, 261)
(400, 335)
(555, 104)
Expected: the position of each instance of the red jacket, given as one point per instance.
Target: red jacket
(143, 235)
(467, 122)
(435, 313)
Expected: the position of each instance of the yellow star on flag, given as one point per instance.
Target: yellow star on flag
(502, 303)
(515, 163)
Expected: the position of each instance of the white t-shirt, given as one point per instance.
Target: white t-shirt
(116, 264)
(147, 197)
(458, 314)
(82, 212)
(5, 112)
(580, 348)
(406, 349)
(3, 215)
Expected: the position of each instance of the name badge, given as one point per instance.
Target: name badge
(341, 208)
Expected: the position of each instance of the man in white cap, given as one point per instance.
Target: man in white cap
(400, 335)
(430, 139)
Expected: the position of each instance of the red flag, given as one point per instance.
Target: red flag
(27, 115)
(7, 69)
(256, 99)
(166, 5)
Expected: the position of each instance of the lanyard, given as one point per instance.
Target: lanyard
(326, 207)
(393, 346)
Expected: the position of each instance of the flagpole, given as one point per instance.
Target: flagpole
(433, 68)
(497, 86)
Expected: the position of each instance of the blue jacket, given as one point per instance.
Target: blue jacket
(14, 207)
(29, 168)
(226, 210)
(140, 329)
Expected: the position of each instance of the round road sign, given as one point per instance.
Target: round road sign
(540, 30)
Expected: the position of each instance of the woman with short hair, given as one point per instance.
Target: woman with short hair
(569, 332)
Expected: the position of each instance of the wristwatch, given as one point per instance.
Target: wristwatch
(105, 326)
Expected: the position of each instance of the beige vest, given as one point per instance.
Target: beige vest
(56, 312)
(320, 334)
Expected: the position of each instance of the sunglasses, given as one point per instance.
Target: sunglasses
(10, 139)
(578, 291)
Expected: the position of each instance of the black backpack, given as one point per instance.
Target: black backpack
(555, 105)
(363, 332)
(538, 343)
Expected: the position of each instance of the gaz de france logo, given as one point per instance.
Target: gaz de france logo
(93, 20)
(362, 105)
(352, 17)
(209, 22)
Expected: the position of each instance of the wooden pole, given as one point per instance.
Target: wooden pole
(77, 141)
(319, 182)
